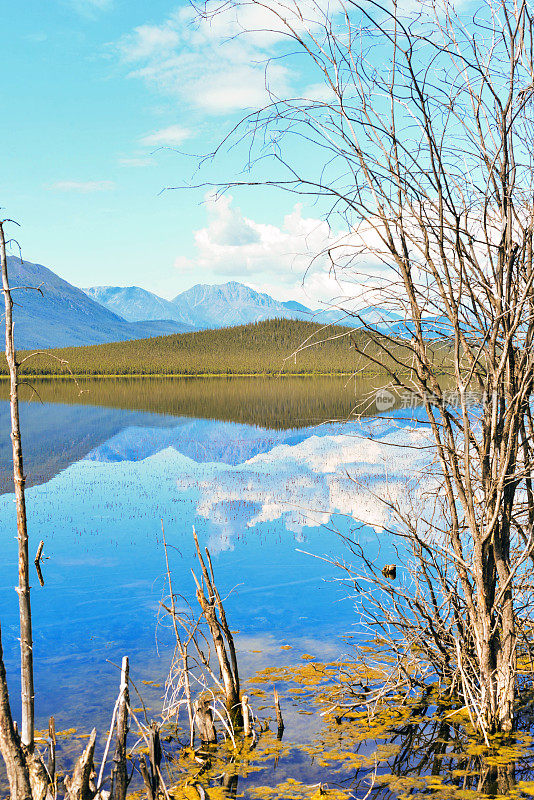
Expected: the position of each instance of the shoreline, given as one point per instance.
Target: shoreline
(181, 375)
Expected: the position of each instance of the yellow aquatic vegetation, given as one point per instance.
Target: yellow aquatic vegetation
(185, 793)
(292, 789)
(415, 788)
(351, 748)
(310, 674)
(223, 762)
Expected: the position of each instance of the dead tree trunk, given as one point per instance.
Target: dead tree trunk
(204, 721)
(51, 766)
(279, 717)
(221, 635)
(79, 785)
(17, 769)
(26, 642)
(150, 768)
(120, 773)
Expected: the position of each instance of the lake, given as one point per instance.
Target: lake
(272, 474)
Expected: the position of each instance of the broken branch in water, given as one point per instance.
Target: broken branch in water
(37, 562)
(203, 634)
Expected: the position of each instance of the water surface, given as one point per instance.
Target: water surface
(107, 466)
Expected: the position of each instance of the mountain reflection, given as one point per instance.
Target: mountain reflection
(62, 422)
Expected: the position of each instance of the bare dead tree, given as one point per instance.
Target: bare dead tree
(26, 640)
(223, 641)
(421, 142)
(209, 691)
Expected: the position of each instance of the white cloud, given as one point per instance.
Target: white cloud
(147, 41)
(228, 227)
(238, 55)
(286, 261)
(83, 187)
(232, 244)
(174, 135)
(211, 65)
(319, 93)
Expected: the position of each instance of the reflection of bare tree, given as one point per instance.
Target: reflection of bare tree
(230, 782)
(430, 744)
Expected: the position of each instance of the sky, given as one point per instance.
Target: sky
(106, 103)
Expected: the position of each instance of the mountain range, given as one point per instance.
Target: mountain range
(225, 305)
(202, 306)
(51, 312)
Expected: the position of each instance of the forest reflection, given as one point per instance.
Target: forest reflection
(276, 402)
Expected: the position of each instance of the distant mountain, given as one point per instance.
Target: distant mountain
(133, 303)
(375, 317)
(61, 315)
(325, 316)
(202, 306)
(294, 306)
(229, 304)
(232, 303)
(433, 328)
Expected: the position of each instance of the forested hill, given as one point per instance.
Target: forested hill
(259, 348)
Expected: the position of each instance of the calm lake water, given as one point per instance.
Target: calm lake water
(251, 463)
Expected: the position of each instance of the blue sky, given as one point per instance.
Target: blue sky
(92, 89)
